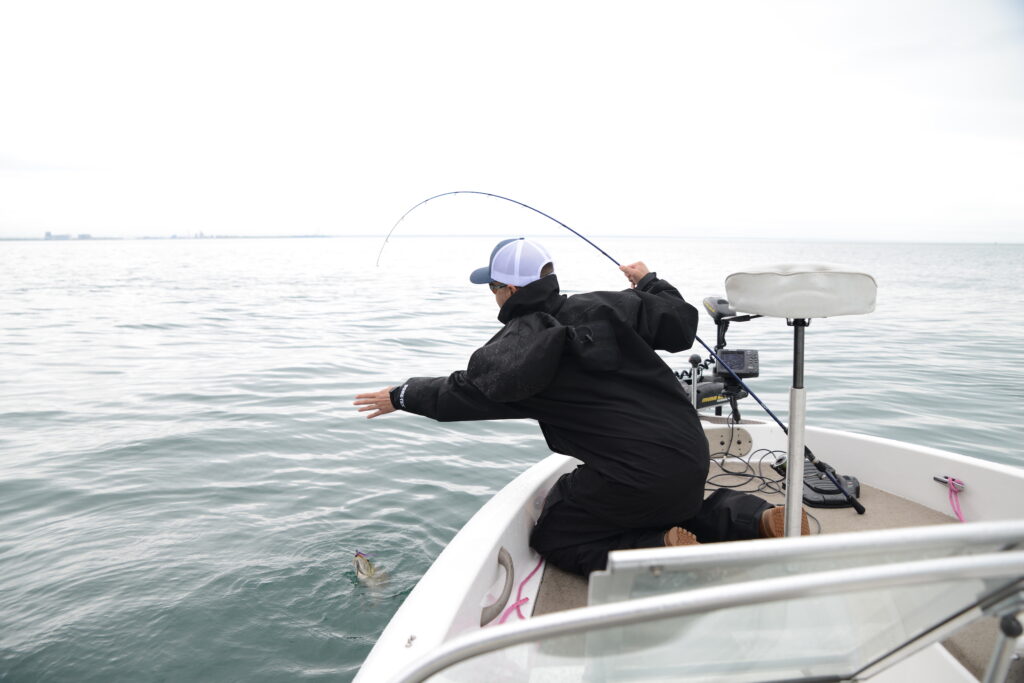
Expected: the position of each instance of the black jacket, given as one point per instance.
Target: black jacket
(585, 368)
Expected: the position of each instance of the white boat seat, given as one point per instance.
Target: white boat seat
(801, 290)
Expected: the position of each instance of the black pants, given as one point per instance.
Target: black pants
(576, 535)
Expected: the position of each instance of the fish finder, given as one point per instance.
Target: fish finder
(743, 362)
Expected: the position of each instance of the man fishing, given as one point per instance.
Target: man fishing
(585, 368)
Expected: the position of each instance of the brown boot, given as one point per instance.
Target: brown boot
(677, 535)
(773, 523)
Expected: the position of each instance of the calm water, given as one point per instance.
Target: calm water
(183, 480)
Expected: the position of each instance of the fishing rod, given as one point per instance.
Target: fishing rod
(496, 196)
(824, 468)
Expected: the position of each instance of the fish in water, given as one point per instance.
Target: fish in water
(365, 569)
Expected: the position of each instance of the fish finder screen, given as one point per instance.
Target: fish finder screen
(743, 362)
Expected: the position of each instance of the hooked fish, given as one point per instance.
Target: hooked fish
(365, 571)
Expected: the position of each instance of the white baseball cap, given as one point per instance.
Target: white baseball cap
(516, 261)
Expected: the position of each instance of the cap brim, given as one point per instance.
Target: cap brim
(480, 276)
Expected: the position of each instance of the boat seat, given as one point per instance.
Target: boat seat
(801, 291)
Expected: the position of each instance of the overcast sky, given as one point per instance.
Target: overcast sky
(875, 119)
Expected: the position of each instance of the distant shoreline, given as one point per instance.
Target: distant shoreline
(173, 238)
(75, 238)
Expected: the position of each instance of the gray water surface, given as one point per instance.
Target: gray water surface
(183, 479)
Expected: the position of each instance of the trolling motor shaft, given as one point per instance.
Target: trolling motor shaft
(694, 365)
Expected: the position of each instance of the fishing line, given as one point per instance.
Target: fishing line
(827, 471)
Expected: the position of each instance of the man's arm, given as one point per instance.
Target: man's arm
(445, 399)
(665, 320)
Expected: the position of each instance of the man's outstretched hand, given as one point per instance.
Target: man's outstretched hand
(635, 272)
(378, 401)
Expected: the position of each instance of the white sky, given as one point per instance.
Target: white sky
(868, 119)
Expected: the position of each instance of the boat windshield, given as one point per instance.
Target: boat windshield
(809, 619)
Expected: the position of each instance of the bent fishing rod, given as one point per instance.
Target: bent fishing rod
(822, 467)
(496, 196)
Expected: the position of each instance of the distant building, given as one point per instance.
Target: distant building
(50, 236)
(84, 236)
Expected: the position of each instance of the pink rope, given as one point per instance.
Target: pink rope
(512, 608)
(520, 600)
(954, 496)
(519, 594)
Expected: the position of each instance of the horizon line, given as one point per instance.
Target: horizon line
(174, 238)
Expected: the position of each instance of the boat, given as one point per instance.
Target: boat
(892, 584)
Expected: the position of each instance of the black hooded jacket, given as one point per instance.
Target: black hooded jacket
(585, 368)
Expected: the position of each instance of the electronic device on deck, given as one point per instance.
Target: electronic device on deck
(743, 362)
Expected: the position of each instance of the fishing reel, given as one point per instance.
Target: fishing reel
(722, 384)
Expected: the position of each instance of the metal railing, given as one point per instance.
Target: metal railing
(1004, 534)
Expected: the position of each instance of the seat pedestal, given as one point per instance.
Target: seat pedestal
(797, 420)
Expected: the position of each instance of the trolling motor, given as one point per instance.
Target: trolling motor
(732, 365)
(722, 386)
